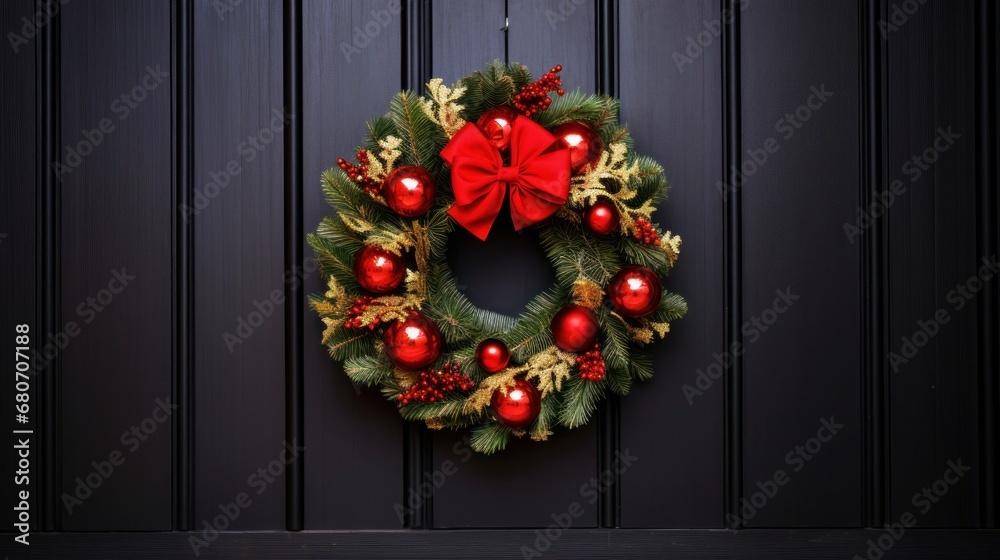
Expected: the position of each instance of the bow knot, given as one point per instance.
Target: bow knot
(538, 176)
(508, 174)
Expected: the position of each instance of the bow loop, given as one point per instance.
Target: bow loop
(538, 176)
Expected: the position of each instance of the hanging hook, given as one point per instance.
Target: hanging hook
(506, 24)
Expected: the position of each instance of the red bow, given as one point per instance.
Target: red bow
(538, 176)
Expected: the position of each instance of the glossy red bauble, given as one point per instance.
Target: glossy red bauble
(496, 124)
(413, 343)
(409, 191)
(585, 146)
(575, 328)
(377, 270)
(602, 217)
(492, 355)
(519, 407)
(635, 291)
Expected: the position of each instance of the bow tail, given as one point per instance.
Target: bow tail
(478, 216)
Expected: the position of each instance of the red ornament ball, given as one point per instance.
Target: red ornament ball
(377, 270)
(519, 407)
(414, 343)
(635, 291)
(496, 124)
(409, 191)
(602, 217)
(575, 328)
(492, 355)
(585, 146)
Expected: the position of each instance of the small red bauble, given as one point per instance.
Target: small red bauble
(413, 343)
(492, 355)
(377, 270)
(496, 124)
(575, 328)
(602, 217)
(519, 407)
(635, 291)
(585, 146)
(409, 191)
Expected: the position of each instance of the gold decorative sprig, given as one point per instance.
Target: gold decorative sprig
(443, 107)
(671, 245)
(587, 293)
(483, 394)
(613, 165)
(647, 330)
(550, 367)
(378, 170)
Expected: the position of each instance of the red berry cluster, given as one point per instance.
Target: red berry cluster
(534, 97)
(432, 385)
(359, 173)
(591, 364)
(646, 233)
(354, 314)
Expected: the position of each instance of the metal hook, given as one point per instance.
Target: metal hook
(506, 24)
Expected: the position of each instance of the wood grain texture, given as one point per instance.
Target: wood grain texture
(932, 235)
(239, 386)
(354, 473)
(802, 366)
(816, 544)
(116, 224)
(18, 218)
(528, 482)
(681, 129)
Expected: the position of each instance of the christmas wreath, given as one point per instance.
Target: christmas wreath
(393, 313)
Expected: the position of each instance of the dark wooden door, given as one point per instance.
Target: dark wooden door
(834, 178)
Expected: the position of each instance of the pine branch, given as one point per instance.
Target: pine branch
(672, 307)
(367, 370)
(580, 399)
(596, 110)
(619, 381)
(422, 137)
(532, 333)
(489, 438)
(614, 341)
(640, 365)
(449, 409)
(496, 86)
(346, 343)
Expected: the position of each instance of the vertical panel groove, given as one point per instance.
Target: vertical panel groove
(873, 181)
(987, 247)
(47, 74)
(609, 421)
(181, 63)
(294, 424)
(733, 254)
(417, 441)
